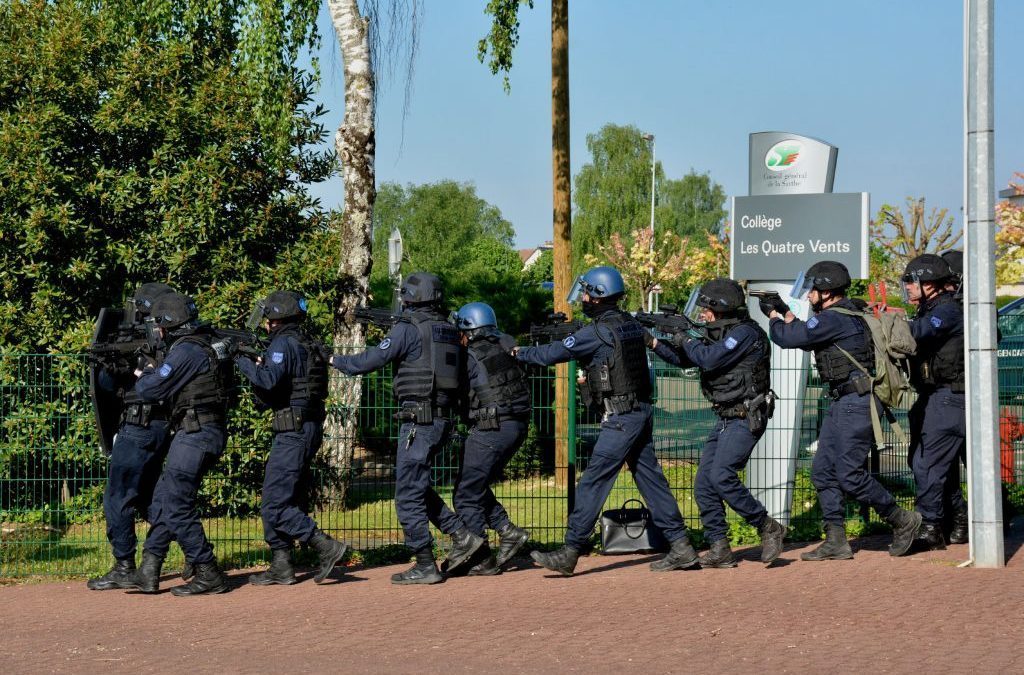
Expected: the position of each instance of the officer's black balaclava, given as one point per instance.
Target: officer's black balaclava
(592, 310)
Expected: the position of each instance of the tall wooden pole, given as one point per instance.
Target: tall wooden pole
(561, 218)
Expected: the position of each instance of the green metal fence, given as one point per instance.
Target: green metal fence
(52, 473)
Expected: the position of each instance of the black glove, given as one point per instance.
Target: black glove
(225, 348)
(680, 339)
(775, 304)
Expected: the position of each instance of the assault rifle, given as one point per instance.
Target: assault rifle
(670, 322)
(248, 339)
(556, 326)
(383, 318)
(118, 340)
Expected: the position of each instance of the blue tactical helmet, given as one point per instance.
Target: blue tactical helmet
(599, 283)
(475, 315)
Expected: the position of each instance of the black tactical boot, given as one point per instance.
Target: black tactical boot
(904, 528)
(330, 551)
(147, 577)
(562, 561)
(464, 545)
(119, 576)
(835, 546)
(280, 572)
(772, 533)
(960, 534)
(680, 556)
(423, 572)
(484, 563)
(511, 539)
(929, 538)
(719, 556)
(207, 581)
(188, 570)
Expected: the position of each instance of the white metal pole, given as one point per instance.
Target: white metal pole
(983, 470)
(650, 296)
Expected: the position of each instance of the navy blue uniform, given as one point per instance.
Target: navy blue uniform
(846, 436)
(135, 460)
(173, 514)
(486, 454)
(938, 418)
(730, 443)
(416, 501)
(286, 478)
(624, 438)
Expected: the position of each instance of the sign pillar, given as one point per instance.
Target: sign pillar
(790, 221)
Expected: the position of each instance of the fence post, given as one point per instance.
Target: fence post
(570, 471)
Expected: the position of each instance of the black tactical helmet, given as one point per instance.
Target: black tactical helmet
(828, 275)
(173, 310)
(147, 294)
(955, 260)
(281, 305)
(927, 267)
(420, 288)
(722, 296)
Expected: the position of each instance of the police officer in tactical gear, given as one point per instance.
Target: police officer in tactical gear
(140, 446)
(955, 259)
(734, 376)
(498, 409)
(937, 419)
(194, 380)
(290, 379)
(838, 336)
(430, 361)
(611, 351)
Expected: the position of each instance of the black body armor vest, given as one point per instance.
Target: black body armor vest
(507, 389)
(210, 393)
(833, 366)
(942, 365)
(439, 364)
(743, 381)
(624, 373)
(308, 391)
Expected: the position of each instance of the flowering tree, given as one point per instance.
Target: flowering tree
(1010, 238)
(642, 266)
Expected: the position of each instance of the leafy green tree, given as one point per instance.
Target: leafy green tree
(448, 230)
(543, 269)
(613, 195)
(692, 205)
(142, 142)
(131, 150)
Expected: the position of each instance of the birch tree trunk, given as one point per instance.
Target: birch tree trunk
(355, 145)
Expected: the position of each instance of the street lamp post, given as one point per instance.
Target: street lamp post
(650, 137)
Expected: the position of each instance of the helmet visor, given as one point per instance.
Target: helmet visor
(802, 285)
(692, 310)
(577, 290)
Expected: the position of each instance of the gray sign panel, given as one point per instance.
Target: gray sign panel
(782, 163)
(774, 237)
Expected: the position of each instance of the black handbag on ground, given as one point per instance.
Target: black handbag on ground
(630, 530)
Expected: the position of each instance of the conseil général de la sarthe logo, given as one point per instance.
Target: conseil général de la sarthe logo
(783, 155)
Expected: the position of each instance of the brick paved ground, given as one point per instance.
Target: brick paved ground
(871, 614)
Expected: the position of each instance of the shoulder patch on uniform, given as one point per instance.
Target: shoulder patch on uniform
(277, 357)
(569, 342)
(812, 322)
(385, 343)
(935, 321)
(165, 370)
(730, 343)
